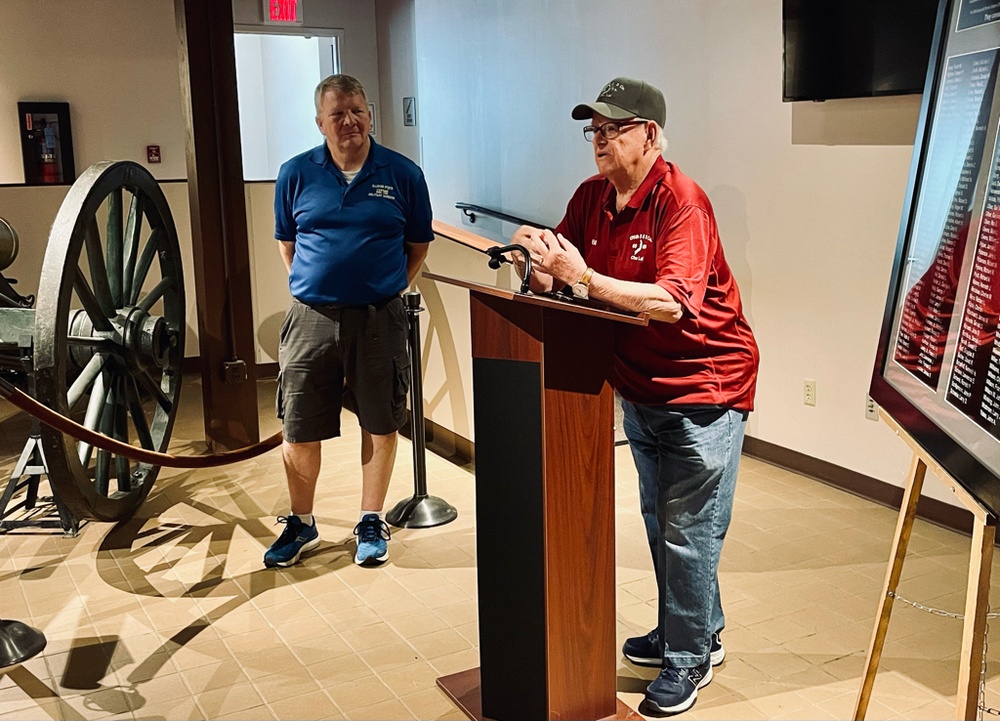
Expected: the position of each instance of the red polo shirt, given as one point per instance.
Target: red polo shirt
(667, 235)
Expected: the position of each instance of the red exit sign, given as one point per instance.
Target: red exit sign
(282, 11)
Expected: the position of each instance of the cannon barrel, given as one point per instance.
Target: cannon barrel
(9, 247)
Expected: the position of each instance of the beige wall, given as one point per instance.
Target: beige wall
(113, 61)
(124, 95)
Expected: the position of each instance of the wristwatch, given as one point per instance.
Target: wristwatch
(581, 288)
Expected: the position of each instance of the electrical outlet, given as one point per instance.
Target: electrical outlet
(871, 408)
(809, 392)
(234, 371)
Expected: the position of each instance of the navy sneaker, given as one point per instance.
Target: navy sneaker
(644, 650)
(718, 653)
(372, 535)
(676, 689)
(293, 541)
(648, 651)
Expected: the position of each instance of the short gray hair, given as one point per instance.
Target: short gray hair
(661, 138)
(346, 84)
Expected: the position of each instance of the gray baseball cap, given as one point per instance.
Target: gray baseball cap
(625, 98)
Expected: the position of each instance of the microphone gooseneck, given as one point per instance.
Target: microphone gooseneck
(496, 260)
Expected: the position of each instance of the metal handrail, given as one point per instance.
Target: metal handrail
(470, 211)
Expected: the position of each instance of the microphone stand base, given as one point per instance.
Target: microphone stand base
(421, 512)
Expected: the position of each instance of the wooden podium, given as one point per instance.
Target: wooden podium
(545, 538)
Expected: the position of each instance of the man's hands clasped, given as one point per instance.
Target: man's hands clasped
(552, 257)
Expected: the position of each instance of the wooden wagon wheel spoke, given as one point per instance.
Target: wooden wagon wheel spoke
(138, 413)
(145, 261)
(133, 229)
(92, 417)
(90, 303)
(123, 354)
(89, 341)
(85, 380)
(102, 476)
(115, 240)
(123, 469)
(155, 294)
(98, 271)
(154, 390)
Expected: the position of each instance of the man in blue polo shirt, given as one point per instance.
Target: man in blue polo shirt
(353, 220)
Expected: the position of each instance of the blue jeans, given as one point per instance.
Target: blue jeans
(687, 458)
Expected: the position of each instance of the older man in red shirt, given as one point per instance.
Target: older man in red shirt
(641, 236)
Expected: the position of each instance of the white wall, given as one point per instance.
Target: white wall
(808, 198)
(397, 75)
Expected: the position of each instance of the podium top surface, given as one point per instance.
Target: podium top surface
(573, 305)
(569, 305)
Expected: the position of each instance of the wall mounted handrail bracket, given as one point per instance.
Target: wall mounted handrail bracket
(471, 210)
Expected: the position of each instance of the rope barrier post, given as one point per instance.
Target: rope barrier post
(18, 643)
(419, 510)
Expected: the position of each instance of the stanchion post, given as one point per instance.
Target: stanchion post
(18, 643)
(419, 510)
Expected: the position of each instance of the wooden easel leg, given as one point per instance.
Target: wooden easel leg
(976, 606)
(904, 525)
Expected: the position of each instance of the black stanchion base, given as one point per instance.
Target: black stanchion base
(19, 642)
(421, 512)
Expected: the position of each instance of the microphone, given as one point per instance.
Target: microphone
(496, 260)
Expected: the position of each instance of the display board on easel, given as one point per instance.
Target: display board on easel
(937, 371)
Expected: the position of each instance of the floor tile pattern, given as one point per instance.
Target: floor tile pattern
(173, 616)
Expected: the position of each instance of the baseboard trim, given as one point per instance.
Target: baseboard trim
(461, 451)
(444, 443)
(885, 494)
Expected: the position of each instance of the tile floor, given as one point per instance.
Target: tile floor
(172, 616)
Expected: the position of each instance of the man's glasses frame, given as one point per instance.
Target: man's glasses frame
(609, 130)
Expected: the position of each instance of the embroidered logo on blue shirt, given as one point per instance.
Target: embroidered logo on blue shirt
(382, 191)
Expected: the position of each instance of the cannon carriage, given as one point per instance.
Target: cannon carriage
(104, 342)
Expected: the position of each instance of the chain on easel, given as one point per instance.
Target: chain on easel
(983, 708)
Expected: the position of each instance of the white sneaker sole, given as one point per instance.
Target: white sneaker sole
(641, 661)
(314, 543)
(686, 703)
(373, 560)
(717, 657)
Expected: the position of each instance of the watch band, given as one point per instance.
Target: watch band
(585, 278)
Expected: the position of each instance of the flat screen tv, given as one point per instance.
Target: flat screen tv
(856, 48)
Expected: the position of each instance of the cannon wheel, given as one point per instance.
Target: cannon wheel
(109, 335)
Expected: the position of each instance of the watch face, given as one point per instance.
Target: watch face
(581, 291)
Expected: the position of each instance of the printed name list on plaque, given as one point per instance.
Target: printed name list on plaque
(942, 227)
(974, 387)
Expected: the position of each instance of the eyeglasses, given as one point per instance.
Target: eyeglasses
(610, 131)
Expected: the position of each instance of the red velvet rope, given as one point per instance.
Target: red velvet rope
(81, 433)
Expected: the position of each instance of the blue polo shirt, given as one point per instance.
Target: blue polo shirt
(349, 238)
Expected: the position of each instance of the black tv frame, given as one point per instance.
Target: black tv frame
(919, 421)
(789, 68)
